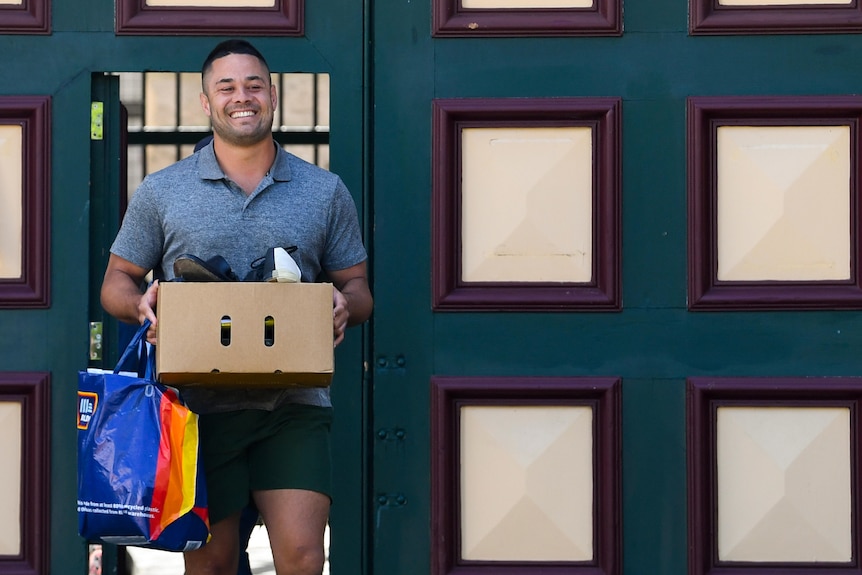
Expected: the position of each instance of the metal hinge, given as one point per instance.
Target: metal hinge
(97, 113)
(95, 341)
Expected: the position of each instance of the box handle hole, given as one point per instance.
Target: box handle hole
(269, 331)
(225, 330)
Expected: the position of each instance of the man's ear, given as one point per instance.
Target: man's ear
(273, 95)
(205, 103)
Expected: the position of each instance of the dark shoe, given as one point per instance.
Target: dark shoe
(189, 268)
(275, 266)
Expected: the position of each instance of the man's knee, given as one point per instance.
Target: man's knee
(300, 561)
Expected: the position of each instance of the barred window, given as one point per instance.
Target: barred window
(165, 119)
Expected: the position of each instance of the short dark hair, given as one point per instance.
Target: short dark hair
(235, 46)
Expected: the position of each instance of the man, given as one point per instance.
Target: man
(238, 197)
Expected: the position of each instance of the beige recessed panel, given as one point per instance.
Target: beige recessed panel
(783, 203)
(191, 112)
(791, 3)
(10, 482)
(527, 204)
(489, 4)
(11, 2)
(784, 489)
(162, 112)
(213, 3)
(11, 200)
(526, 483)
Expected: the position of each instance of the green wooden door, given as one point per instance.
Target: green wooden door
(442, 490)
(43, 346)
(444, 348)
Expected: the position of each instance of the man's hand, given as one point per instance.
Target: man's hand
(340, 316)
(146, 310)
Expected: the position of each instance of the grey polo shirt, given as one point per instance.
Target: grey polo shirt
(191, 207)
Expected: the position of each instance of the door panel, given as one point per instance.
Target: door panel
(654, 344)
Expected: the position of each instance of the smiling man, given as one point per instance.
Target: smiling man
(240, 106)
(238, 197)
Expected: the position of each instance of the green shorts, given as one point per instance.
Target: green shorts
(248, 450)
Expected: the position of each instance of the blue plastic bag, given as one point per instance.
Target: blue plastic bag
(140, 478)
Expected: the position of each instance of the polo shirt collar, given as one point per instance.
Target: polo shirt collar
(210, 170)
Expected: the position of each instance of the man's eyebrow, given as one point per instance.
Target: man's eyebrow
(251, 78)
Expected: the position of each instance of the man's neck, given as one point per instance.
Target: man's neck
(245, 165)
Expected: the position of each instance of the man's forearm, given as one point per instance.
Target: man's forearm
(359, 300)
(121, 296)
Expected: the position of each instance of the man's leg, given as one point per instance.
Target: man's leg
(295, 520)
(219, 556)
(247, 523)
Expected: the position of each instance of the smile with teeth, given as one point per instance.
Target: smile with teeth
(242, 114)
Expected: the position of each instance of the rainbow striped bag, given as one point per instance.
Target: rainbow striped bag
(140, 478)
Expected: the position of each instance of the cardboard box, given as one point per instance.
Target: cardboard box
(245, 333)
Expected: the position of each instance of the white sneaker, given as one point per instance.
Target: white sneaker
(284, 268)
(275, 266)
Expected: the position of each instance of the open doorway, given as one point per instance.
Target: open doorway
(164, 123)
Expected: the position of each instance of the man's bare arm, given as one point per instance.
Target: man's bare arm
(121, 292)
(351, 300)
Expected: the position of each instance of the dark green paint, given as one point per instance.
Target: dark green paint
(654, 477)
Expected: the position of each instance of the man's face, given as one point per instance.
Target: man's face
(239, 99)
